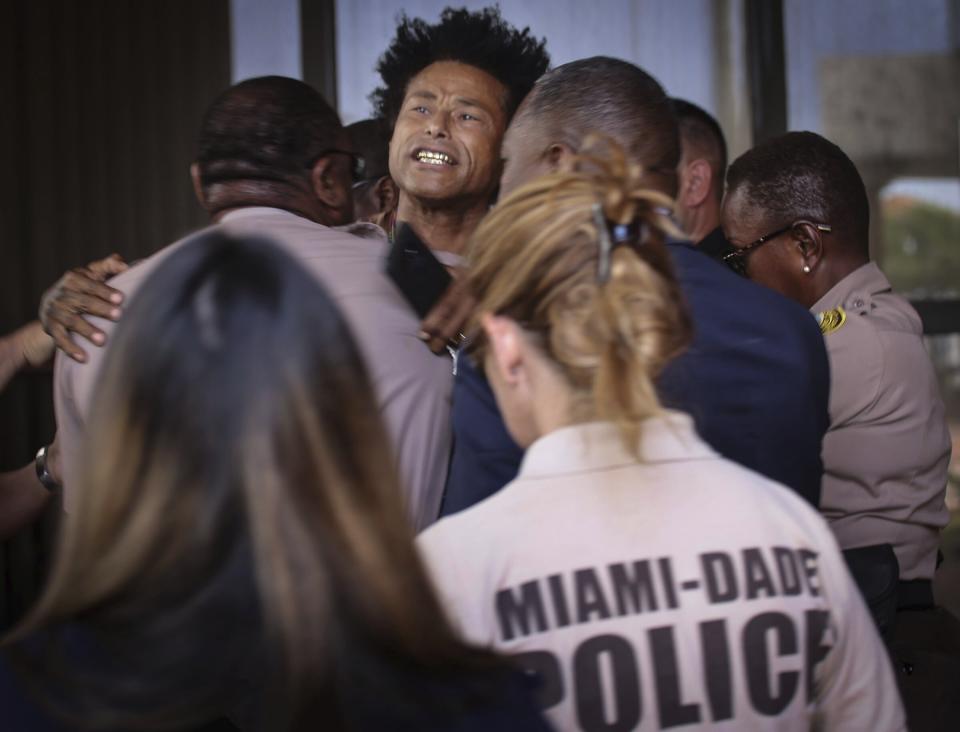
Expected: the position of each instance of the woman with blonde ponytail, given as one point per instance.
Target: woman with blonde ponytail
(648, 582)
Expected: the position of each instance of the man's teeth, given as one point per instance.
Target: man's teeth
(434, 158)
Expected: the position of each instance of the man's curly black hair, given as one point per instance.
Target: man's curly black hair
(482, 39)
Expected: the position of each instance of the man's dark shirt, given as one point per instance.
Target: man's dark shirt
(714, 244)
(755, 379)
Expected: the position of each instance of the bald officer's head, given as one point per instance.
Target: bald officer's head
(595, 95)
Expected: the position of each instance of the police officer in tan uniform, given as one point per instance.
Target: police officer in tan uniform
(887, 450)
(797, 212)
(252, 179)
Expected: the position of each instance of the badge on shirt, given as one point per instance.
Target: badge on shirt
(831, 320)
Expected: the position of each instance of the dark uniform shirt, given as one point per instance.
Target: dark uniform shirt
(755, 379)
(714, 244)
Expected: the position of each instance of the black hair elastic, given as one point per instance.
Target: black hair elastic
(612, 236)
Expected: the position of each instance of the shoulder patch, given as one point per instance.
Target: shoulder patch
(831, 320)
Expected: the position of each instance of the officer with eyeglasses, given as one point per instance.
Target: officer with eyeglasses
(797, 215)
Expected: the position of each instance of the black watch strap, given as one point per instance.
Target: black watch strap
(43, 473)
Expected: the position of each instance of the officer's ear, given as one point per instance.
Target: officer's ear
(386, 193)
(560, 157)
(506, 354)
(809, 241)
(331, 185)
(197, 184)
(695, 183)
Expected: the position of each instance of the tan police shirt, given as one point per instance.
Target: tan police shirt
(886, 453)
(682, 591)
(413, 385)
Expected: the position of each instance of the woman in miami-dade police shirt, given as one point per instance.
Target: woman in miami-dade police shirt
(648, 582)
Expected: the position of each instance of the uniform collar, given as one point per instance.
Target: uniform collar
(247, 212)
(854, 292)
(365, 230)
(597, 445)
(362, 229)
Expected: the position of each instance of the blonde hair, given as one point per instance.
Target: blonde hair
(536, 257)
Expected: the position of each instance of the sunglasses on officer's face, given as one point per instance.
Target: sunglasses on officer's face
(736, 257)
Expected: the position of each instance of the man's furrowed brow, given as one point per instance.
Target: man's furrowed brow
(470, 102)
(423, 94)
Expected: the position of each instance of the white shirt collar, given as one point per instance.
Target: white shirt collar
(592, 445)
(247, 211)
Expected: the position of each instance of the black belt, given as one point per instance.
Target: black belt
(914, 594)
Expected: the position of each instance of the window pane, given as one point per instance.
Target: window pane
(920, 236)
(945, 353)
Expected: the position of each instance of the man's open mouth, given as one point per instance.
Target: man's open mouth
(433, 157)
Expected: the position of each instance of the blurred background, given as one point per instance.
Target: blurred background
(101, 101)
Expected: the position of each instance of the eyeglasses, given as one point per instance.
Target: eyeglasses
(358, 166)
(736, 257)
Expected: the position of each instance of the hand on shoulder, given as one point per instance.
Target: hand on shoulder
(80, 292)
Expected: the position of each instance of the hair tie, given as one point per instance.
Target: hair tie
(606, 246)
(610, 237)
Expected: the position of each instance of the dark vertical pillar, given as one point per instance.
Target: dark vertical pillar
(102, 100)
(953, 23)
(318, 41)
(766, 66)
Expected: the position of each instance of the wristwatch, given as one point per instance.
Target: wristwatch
(43, 473)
